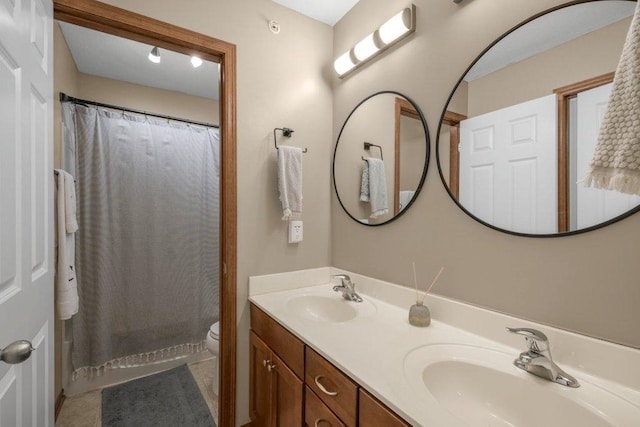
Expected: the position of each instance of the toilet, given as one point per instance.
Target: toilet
(213, 345)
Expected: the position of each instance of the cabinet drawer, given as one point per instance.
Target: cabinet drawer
(333, 387)
(372, 413)
(283, 343)
(316, 413)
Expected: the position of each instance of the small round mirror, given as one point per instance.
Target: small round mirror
(381, 158)
(520, 128)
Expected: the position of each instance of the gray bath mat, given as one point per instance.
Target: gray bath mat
(170, 398)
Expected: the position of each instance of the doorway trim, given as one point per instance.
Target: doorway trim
(564, 95)
(120, 22)
(453, 120)
(402, 108)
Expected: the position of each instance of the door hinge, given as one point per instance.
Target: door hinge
(224, 268)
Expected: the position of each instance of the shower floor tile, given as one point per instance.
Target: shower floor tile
(84, 410)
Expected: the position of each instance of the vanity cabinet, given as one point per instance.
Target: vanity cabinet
(373, 413)
(334, 388)
(276, 392)
(292, 385)
(317, 413)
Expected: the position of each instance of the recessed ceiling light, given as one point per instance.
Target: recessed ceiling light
(196, 62)
(154, 56)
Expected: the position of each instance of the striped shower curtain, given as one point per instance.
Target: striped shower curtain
(147, 249)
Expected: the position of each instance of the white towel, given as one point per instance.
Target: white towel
(290, 181)
(616, 161)
(364, 182)
(66, 279)
(377, 187)
(405, 198)
(71, 222)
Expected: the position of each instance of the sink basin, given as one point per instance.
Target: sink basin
(481, 387)
(332, 309)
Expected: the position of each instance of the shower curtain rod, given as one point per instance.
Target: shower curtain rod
(66, 98)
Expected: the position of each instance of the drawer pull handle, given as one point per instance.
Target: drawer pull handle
(321, 387)
(319, 420)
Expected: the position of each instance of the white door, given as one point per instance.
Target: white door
(26, 216)
(594, 205)
(508, 166)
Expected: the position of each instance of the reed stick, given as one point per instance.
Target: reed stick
(415, 279)
(432, 283)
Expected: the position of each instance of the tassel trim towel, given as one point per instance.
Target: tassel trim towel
(290, 181)
(66, 278)
(616, 162)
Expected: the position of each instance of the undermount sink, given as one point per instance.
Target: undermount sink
(481, 387)
(332, 309)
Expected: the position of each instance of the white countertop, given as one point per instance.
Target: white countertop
(372, 348)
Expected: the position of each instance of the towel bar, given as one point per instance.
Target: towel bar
(286, 132)
(368, 145)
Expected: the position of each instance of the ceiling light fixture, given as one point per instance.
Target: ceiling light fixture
(391, 32)
(344, 63)
(154, 55)
(396, 27)
(365, 48)
(196, 62)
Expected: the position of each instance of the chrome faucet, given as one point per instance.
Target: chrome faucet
(347, 287)
(537, 360)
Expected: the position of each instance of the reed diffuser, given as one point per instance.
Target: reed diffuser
(419, 314)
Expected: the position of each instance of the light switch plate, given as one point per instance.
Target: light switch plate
(295, 231)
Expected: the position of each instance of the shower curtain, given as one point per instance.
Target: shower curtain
(147, 249)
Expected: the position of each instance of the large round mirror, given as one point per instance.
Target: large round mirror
(381, 158)
(520, 128)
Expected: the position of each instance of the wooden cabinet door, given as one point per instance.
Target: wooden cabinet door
(374, 414)
(287, 392)
(260, 382)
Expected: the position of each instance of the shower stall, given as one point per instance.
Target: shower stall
(147, 248)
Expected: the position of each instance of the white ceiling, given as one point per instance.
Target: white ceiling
(549, 31)
(327, 11)
(117, 58)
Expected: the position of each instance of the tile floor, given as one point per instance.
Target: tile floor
(83, 410)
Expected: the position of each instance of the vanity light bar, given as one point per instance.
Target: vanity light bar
(395, 29)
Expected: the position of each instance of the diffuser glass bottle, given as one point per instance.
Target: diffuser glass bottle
(419, 314)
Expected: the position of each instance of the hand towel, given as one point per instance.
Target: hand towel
(66, 279)
(71, 222)
(616, 162)
(405, 198)
(377, 187)
(364, 183)
(290, 181)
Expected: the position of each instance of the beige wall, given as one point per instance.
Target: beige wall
(586, 283)
(412, 152)
(283, 80)
(591, 55)
(146, 98)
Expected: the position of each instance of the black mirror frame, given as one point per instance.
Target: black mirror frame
(425, 127)
(442, 178)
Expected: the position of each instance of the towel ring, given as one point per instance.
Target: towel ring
(286, 132)
(368, 145)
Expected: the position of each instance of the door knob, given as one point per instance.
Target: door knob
(16, 352)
